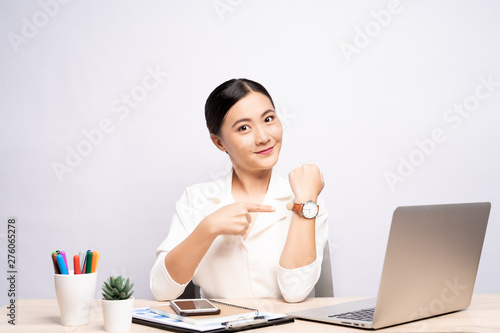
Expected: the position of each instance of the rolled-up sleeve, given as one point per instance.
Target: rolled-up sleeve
(161, 283)
(296, 284)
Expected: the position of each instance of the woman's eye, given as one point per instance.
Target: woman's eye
(243, 128)
(269, 119)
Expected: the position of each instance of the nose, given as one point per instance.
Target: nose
(261, 135)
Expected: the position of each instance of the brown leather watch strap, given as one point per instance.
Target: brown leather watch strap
(297, 208)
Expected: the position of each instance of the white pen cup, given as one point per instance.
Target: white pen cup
(75, 295)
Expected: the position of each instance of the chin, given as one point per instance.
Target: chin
(268, 163)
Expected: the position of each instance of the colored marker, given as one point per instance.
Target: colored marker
(62, 265)
(82, 261)
(95, 259)
(76, 264)
(54, 261)
(84, 269)
(64, 257)
(88, 265)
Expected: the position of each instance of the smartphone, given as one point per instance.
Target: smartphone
(194, 307)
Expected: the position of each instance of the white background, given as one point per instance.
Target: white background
(64, 69)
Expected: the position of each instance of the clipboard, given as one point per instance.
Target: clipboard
(172, 328)
(144, 316)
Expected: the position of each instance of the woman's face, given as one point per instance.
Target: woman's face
(251, 133)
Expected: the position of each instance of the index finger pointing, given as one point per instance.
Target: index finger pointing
(259, 208)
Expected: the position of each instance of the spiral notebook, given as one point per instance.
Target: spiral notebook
(232, 318)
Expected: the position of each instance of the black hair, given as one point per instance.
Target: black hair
(225, 96)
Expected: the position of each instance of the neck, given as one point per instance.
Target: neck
(251, 184)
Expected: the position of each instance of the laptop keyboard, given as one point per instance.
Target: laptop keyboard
(363, 315)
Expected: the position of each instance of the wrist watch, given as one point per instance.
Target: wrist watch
(307, 209)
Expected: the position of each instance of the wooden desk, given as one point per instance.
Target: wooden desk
(483, 315)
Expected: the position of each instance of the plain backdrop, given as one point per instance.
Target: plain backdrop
(102, 125)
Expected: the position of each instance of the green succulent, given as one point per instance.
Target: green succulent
(116, 288)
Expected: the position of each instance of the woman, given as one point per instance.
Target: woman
(235, 237)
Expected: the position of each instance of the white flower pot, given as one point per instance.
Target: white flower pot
(117, 315)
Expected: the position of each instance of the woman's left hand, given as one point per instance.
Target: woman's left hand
(306, 182)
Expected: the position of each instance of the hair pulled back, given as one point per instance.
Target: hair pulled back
(225, 96)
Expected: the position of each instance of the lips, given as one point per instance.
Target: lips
(266, 151)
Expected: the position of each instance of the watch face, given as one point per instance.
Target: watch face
(310, 209)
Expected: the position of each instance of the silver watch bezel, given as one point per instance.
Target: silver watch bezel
(310, 216)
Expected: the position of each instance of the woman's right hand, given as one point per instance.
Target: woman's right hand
(233, 219)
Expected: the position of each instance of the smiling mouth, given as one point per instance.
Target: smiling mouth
(265, 151)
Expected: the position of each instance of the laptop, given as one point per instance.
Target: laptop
(429, 269)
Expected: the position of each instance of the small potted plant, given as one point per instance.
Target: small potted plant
(117, 304)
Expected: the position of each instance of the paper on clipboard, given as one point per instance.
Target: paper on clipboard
(146, 317)
(228, 313)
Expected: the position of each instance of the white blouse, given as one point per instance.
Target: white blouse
(234, 267)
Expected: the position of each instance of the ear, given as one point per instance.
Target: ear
(217, 142)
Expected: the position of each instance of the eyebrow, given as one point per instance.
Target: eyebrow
(248, 119)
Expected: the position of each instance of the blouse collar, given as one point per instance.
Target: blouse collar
(279, 188)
